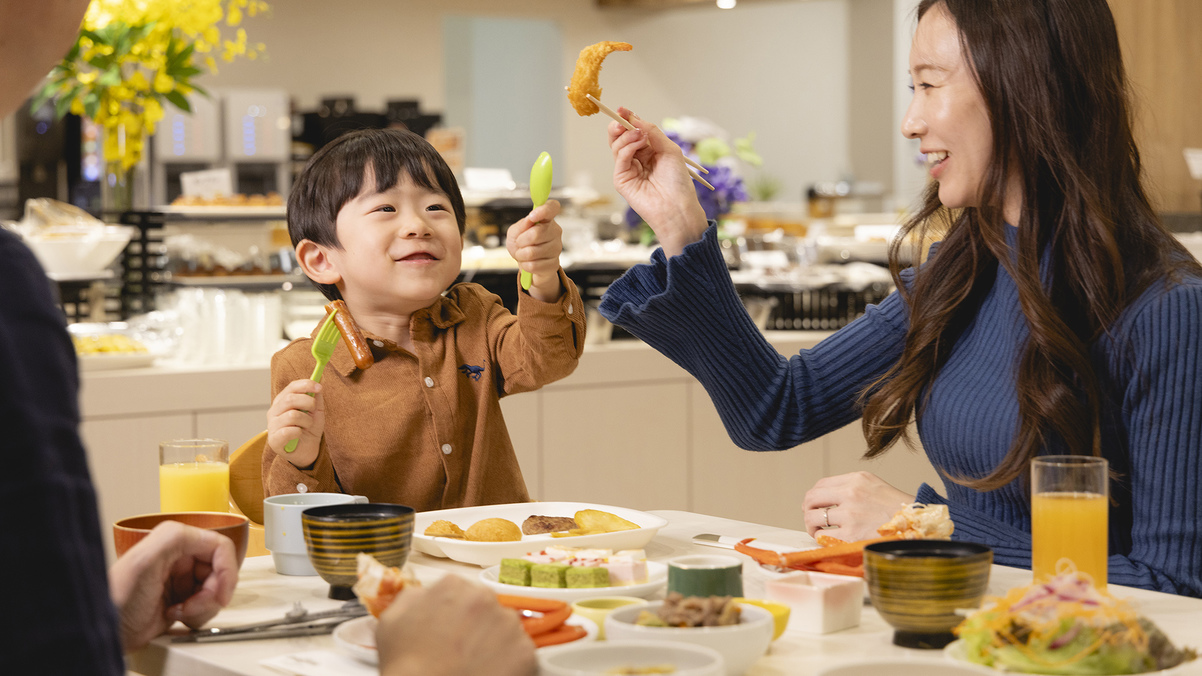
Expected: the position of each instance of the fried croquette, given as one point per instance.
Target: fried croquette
(444, 529)
(588, 69)
(494, 530)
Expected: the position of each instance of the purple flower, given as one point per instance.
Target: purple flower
(728, 188)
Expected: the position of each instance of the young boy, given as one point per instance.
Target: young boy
(377, 220)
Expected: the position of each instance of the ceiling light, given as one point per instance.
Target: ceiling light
(727, 4)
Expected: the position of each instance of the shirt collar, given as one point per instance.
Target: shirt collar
(442, 313)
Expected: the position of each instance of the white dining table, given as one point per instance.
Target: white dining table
(262, 594)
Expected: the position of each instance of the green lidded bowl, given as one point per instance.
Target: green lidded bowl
(917, 586)
(335, 534)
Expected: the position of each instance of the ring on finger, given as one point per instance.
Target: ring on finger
(826, 516)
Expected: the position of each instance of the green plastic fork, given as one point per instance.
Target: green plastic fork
(323, 349)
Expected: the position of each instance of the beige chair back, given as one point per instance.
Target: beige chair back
(246, 478)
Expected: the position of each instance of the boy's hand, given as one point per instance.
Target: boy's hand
(535, 242)
(296, 415)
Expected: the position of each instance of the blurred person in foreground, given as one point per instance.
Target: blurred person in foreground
(67, 616)
(1057, 316)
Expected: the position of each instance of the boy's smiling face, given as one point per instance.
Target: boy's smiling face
(400, 249)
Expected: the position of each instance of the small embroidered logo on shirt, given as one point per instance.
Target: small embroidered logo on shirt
(473, 372)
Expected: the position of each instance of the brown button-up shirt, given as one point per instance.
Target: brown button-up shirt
(424, 429)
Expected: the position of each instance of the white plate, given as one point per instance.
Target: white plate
(955, 652)
(116, 360)
(657, 577)
(357, 637)
(490, 553)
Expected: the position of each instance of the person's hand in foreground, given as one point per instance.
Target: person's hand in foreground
(177, 572)
(856, 504)
(650, 173)
(453, 628)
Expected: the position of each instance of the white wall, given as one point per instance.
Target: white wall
(908, 176)
(777, 68)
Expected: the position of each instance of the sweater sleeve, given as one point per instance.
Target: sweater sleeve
(539, 345)
(1162, 409)
(1161, 351)
(688, 309)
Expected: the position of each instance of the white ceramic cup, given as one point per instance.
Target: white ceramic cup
(282, 531)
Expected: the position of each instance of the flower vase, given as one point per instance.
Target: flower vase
(118, 193)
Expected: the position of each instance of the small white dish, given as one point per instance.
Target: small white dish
(657, 577)
(820, 603)
(486, 554)
(586, 659)
(357, 637)
(739, 644)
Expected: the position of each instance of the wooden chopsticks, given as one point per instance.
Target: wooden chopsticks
(694, 167)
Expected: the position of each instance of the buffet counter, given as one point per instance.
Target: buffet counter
(629, 427)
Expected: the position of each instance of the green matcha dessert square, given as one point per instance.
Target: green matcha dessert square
(582, 576)
(551, 575)
(515, 571)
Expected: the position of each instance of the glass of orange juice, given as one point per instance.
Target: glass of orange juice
(1070, 515)
(194, 475)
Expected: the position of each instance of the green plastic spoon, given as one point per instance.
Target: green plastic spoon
(540, 190)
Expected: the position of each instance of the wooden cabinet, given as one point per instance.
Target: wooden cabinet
(127, 413)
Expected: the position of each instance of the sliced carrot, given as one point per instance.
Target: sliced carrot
(530, 603)
(550, 621)
(554, 613)
(564, 634)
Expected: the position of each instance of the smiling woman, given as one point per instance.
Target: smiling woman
(1057, 316)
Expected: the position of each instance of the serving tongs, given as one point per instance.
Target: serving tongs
(296, 622)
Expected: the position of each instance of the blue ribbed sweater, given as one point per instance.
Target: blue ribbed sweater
(1150, 364)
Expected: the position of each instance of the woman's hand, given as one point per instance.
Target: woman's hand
(855, 504)
(650, 173)
(453, 628)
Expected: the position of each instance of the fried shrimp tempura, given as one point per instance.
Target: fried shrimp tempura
(588, 69)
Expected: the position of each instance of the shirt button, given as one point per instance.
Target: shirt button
(446, 449)
(301, 488)
(378, 343)
(569, 308)
(429, 381)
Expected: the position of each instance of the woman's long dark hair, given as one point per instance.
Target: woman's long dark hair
(1052, 77)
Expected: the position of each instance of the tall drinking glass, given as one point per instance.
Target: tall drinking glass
(194, 475)
(1070, 497)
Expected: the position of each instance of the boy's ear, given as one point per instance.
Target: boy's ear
(315, 262)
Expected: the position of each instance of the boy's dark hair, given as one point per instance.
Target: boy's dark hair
(335, 174)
